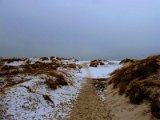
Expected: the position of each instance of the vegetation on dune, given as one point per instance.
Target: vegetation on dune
(95, 63)
(9, 60)
(140, 80)
(55, 79)
(127, 61)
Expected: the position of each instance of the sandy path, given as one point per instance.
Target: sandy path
(89, 106)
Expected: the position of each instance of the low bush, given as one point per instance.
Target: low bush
(138, 70)
(140, 81)
(95, 63)
(127, 61)
(155, 108)
(52, 83)
(9, 60)
(56, 80)
(136, 95)
(44, 58)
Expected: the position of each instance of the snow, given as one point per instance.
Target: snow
(98, 72)
(15, 63)
(34, 60)
(114, 61)
(70, 61)
(102, 71)
(22, 104)
(82, 62)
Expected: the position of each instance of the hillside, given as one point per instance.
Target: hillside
(43, 88)
(67, 89)
(134, 90)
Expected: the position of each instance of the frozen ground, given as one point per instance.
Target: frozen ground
(100, 71)
(20, 104)
(15, 63)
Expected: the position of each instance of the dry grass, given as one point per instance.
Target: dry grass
(155, 108)
(136, 71)
(49, 69)
(52, 66)
(44, 58)
(9, 60)
(95, 63)
(127, 61)
(56, 81)
(52, 83)
(9, 70)
(72, 66)
(140, 81)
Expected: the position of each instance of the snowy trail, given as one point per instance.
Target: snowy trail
(98, 72)
(89, 106)
(19, 103)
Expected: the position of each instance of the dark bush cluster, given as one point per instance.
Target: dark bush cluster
(127, 61)
(95, 63)
(155, 107)
(57, 80)
(44, 58)
(42, 65)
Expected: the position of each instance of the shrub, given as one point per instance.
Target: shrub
(95, 63)
(9, 60)
(73, 66)
(136, 95)
(60, 78)
(52, 83)
(140, 81)
(7, 67)
(127, 61)
(57, 80)
(44, 58)
(155, 108)
(139, 70)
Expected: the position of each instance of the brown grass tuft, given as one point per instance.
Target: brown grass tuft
(136, 95)
(138, 70)
(44, 58)
(57, 80)
(52, 83)
(140, 80)
(9, 60)
(72, 66)
(155, 108)
(127, 61)
(95, 63)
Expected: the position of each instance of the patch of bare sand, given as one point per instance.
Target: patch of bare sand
(121, 108)
(89, 106)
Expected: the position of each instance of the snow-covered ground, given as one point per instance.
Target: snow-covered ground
(100, 71)
(24, 105)
(15, 63)
(20, 104)
(83, 62)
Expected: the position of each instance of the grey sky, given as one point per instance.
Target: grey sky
(85, 29)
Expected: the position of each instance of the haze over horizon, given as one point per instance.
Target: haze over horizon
(85, 29)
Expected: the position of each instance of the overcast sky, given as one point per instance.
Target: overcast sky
(85, 29)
